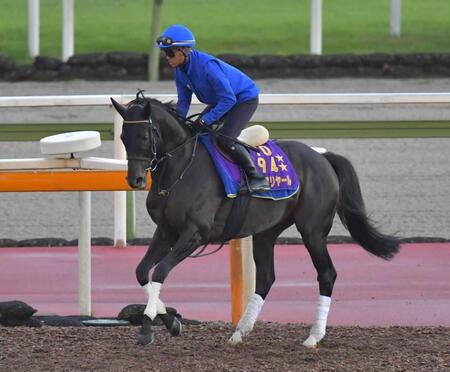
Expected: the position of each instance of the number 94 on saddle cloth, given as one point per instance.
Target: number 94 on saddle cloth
(271, 161)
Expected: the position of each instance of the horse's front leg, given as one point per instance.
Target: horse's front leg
(187, 242)
(158, 248)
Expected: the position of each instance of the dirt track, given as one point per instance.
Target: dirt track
(271, 347)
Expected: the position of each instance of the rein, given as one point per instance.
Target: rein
(166, 192)
(154, 160)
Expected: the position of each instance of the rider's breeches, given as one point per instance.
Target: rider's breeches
(235, 120)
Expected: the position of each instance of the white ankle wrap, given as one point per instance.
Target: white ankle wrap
(250, 315)
(154, 305)
(320, 323)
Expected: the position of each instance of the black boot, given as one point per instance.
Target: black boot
(255, 181)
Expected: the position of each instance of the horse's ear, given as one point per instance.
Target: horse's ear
(147, 109)
(120, 108)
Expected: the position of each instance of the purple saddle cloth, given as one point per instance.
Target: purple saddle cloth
(271, 161)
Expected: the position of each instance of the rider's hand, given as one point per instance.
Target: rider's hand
(200, 125)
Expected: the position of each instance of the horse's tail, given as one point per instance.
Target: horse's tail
(352, 212)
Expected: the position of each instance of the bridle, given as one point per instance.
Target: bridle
(154, 160)
(154, 133)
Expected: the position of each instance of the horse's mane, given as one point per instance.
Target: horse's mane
(169, 107)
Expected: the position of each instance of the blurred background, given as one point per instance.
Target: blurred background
(233, 26)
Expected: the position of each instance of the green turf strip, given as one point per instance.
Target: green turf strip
(232, 26)
(395, 129)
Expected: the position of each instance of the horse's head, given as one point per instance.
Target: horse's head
(141, 138)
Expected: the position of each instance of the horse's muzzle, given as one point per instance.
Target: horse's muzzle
(137, 183)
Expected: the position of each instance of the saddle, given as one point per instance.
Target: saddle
(271, 161)
(273, 164)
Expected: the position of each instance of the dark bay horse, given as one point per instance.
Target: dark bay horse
(188, 204)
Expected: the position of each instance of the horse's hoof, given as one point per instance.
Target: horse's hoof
(310, 342)
(146, 339)
(146, 335)
(236, 338)
(175, 329)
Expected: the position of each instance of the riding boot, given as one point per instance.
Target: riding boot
(255, 181)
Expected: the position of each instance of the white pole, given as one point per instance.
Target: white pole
(84, 254)
(33, 28)
(120, 197)
(316, 27)
(68, 30)
(396, 17)
(153, 59)
(249, 270)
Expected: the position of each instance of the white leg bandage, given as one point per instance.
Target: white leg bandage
(320, 323)
(248, 319)
(250, 315)
(154, 305)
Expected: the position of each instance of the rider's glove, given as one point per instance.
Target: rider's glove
(200, 125)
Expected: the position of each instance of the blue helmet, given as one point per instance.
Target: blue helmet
(176, 36)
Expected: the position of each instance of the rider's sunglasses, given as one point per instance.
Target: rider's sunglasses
(170, 53)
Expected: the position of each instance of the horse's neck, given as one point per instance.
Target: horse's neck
(174, 141)
(172, 132)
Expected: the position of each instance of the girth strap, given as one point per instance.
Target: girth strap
(236, 217)
(233, 224)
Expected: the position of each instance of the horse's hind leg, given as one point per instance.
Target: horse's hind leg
(316, 243)
(263, 245)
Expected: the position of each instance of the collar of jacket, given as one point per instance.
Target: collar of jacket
(189, 66)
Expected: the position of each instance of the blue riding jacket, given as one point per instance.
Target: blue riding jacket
(214, 82)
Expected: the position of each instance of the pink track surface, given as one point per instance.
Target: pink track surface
(413, 289)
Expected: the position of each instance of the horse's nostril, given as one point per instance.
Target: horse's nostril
(140, 182)
(133, 182)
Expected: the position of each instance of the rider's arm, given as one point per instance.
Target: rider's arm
(184, 98)
(222, 89)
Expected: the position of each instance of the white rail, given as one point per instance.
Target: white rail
(265, 99)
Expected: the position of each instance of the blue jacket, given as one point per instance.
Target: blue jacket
(214, 82)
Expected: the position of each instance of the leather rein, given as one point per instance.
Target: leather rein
(154, 160)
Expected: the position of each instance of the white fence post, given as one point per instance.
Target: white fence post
(316, 27)
(249, 269)
(67, 30)
(396, 17)
(33, 28)
(153, 55)
(120, 197)
(84, 254)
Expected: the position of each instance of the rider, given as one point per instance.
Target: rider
(229, 93)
